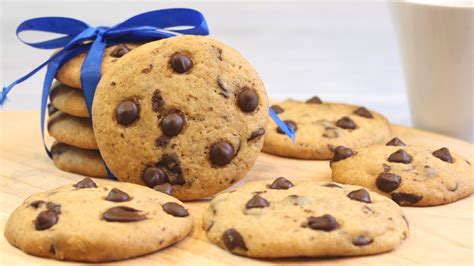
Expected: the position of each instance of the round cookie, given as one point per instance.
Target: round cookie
(75, 131)
(70, 73)
(410, 175)
(68, 100)
(318, 219)
(97, 221)
(320, 127)
(187, 110)
(76, 160)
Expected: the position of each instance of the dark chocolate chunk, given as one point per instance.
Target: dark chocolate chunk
(388, 182)
(405, 199)
(346, 123)
(117, 195)
(325, 223)
(362, 241)
(51, 109)
(314, 99)
(153, 176)
(257, 202)
(341, 153)
(123, 214)
(232, 240)
(175, 209)
(444, 155)
(181, 63)
(120, 51)
(277, 109)
(162, 141)
(157, 102)
(164, 188)
(361, 111)
(221, 153)
(54, 207)
(400, 156)
(37, 203)
(247, 100)
(46, 219)
(169, 163)
(289, 123)
(332, 185)
(126, 112)
(257, 134)
(395, 142)
(360, 195)
(281, 183)
(172, 123)
(85, 183)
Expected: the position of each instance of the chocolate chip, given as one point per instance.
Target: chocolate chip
(257, 134)
(405, 198)
(54, 207)
(314, 99)
(164, 188)
(361, 111)
(162, 141)
(46, 219)
(257, 202)
(148, 69)
(277, 109)
(123, 214)
(360, 195)
(117, 195)
(346, 123)
(388, 182)
(289, 123)
(232, 240)
(443, 154)
(126, 112)
(247, 100)
(172, 123)
(395, 142)
(51, 109)
(332, 185)
(330, 133)
(386, 168)
(224, 87)
(157, 102)
(400, 156)
(37, 203)
(153, 176)
(120, 51)
(341, 153)
(281, 183)
(362, 241)
(169, 163)
(181, 63)
(325, 223)
(85, 183)
(221, 153)
(175, 209)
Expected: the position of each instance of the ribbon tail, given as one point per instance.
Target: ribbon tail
(282, 125)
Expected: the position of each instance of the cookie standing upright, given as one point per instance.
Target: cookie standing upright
(410, 175)
(187, 110)
(321, 127)
(97, 221)
(281, 218)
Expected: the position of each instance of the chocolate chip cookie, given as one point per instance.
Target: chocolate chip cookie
(70, 73)
(282, 218)
(75, 131)
(69, 100)
(97, 221)
(76, 160)
(321, 127)
(410, 175)
(188, 111)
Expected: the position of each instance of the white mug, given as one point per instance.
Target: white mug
(436, 45)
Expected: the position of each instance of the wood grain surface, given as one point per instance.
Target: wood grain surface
(439, 235)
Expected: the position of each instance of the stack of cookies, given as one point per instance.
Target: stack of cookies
(75, 148)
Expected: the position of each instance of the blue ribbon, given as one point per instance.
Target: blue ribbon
(79, 37)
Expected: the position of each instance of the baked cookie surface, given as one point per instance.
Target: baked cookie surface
(97, 221)
(410, 175)
(187, 110)
(68, 100)
(76, 160)
(282, 218)
(75, 131)
(320, 127)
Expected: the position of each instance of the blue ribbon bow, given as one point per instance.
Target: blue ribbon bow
(80, 37)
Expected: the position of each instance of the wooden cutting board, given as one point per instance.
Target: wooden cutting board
(439, 235)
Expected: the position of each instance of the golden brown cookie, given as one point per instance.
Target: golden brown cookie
(76, 160)
(75, 131)
(69, 100)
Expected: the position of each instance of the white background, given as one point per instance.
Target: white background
(339, 50)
